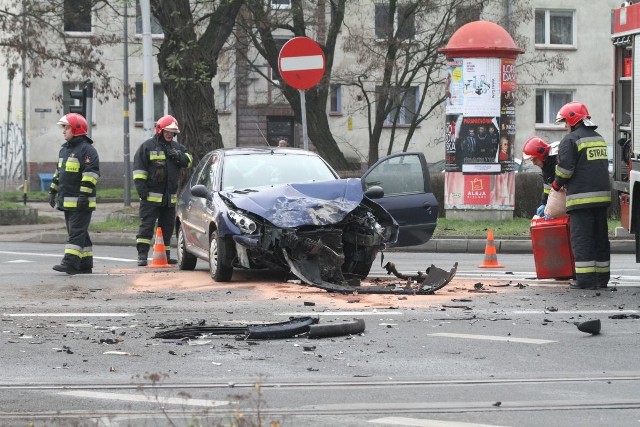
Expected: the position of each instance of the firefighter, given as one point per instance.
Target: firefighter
(583, 168)
(74, 187)
(156, 174)
(545, 156)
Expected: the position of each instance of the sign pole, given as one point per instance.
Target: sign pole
(303, 109)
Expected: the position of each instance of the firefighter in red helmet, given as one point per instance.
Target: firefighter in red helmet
(545, 156)
(156, 174)
(583, 169)
(74, 187)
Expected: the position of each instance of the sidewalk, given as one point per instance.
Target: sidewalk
(55, 233)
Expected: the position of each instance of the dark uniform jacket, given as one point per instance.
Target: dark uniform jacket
(155, 175)
(548, 175)
(76, 174)
(583, 167)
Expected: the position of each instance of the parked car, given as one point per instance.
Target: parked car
(286, 209)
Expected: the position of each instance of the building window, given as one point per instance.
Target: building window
(403, 103)
(77, 16)
(555, 27)
(548, 103)
(336, 99)
(156, 29)
(224, 93)
(280, 4)
(404, 22)
(279, 41)
(159, 108)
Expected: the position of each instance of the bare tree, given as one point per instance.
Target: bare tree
(37, 32)
(305, 18)
(195, 34)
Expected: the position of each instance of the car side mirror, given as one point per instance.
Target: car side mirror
(201, 191)
(374, 192)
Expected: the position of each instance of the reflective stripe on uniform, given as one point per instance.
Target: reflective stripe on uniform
(154, 197)
(72, 165)
(157, 155)
(602, 266)
(140, 174)
(563, 173)
(143, 241)
(585, 267)
(589, 197)
(174, 198)
(190, 157)
(73, 250)
(72, 202)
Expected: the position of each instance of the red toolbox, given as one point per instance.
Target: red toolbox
(552, 248)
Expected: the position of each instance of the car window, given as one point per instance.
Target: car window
(398, 175)
(258, 170)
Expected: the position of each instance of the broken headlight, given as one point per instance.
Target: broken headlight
(243, 222)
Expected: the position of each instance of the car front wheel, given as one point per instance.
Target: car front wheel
(186, 261)
(219, 259)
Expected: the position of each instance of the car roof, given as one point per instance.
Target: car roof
(230, 151)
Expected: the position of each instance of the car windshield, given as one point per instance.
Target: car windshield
(259, 170)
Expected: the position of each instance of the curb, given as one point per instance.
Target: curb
(475, 246)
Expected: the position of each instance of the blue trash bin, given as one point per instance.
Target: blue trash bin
(45, 181)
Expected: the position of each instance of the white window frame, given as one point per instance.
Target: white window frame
(78, 33)
(165, 102)
(154, 22)
(403, 120)
(224, 96)
(280, 4)
(548, 112)
(395, 22)
(547, 29)
(335, 93)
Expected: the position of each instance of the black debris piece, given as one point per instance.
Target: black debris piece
(590, 326)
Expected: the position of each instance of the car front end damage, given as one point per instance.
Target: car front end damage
(327, 233)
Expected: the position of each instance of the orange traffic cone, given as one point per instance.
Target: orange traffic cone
(490, 257)
(159, 252)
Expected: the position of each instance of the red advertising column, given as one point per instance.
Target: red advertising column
(480, 122)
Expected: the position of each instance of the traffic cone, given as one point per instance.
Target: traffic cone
(159, 259)
(490, 257)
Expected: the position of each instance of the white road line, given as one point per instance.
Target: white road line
(340, 313)
(69, 314)
(575, 312)
(401, 421)
(298, 63)
(160, 400)
(493, 338)
(18, 261)
(106, 258)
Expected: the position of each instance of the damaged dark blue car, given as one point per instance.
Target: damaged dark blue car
(286, 209)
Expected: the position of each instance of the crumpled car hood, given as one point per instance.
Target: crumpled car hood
(294, 205)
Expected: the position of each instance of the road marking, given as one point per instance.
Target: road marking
(574, 311)
(401, 421)
(68, 314)
(152, 399)
(492, 338)
(106, 258)
(339, 313)
(18, 261)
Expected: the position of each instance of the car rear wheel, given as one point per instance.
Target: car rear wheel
(219, 259)
(186, 261)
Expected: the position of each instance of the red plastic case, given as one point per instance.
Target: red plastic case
(552, 248)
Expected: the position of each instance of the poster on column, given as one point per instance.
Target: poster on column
(507, 115)
(481, 87)
(454, 87)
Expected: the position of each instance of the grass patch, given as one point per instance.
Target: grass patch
(515, 228)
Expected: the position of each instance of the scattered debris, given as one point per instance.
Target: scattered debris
(590, 326)
(300, 326)
(551, 309)
(309, 304)
(624, 316)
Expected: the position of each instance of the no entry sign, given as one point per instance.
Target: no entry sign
(301, 63)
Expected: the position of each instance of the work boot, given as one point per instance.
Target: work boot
(170, 260)
(585, 286)
(65, 268)
(85, 270)
(142, 260)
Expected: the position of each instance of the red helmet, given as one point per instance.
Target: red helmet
(535, 147)
(572, 113)
(168, 123)
(76, 121)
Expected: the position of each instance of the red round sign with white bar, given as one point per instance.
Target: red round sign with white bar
(301, 63)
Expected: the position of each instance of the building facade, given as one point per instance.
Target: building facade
(253, 111)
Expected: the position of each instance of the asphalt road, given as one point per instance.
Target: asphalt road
(507, 353)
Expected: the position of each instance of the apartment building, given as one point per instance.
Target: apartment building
(252, 110)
